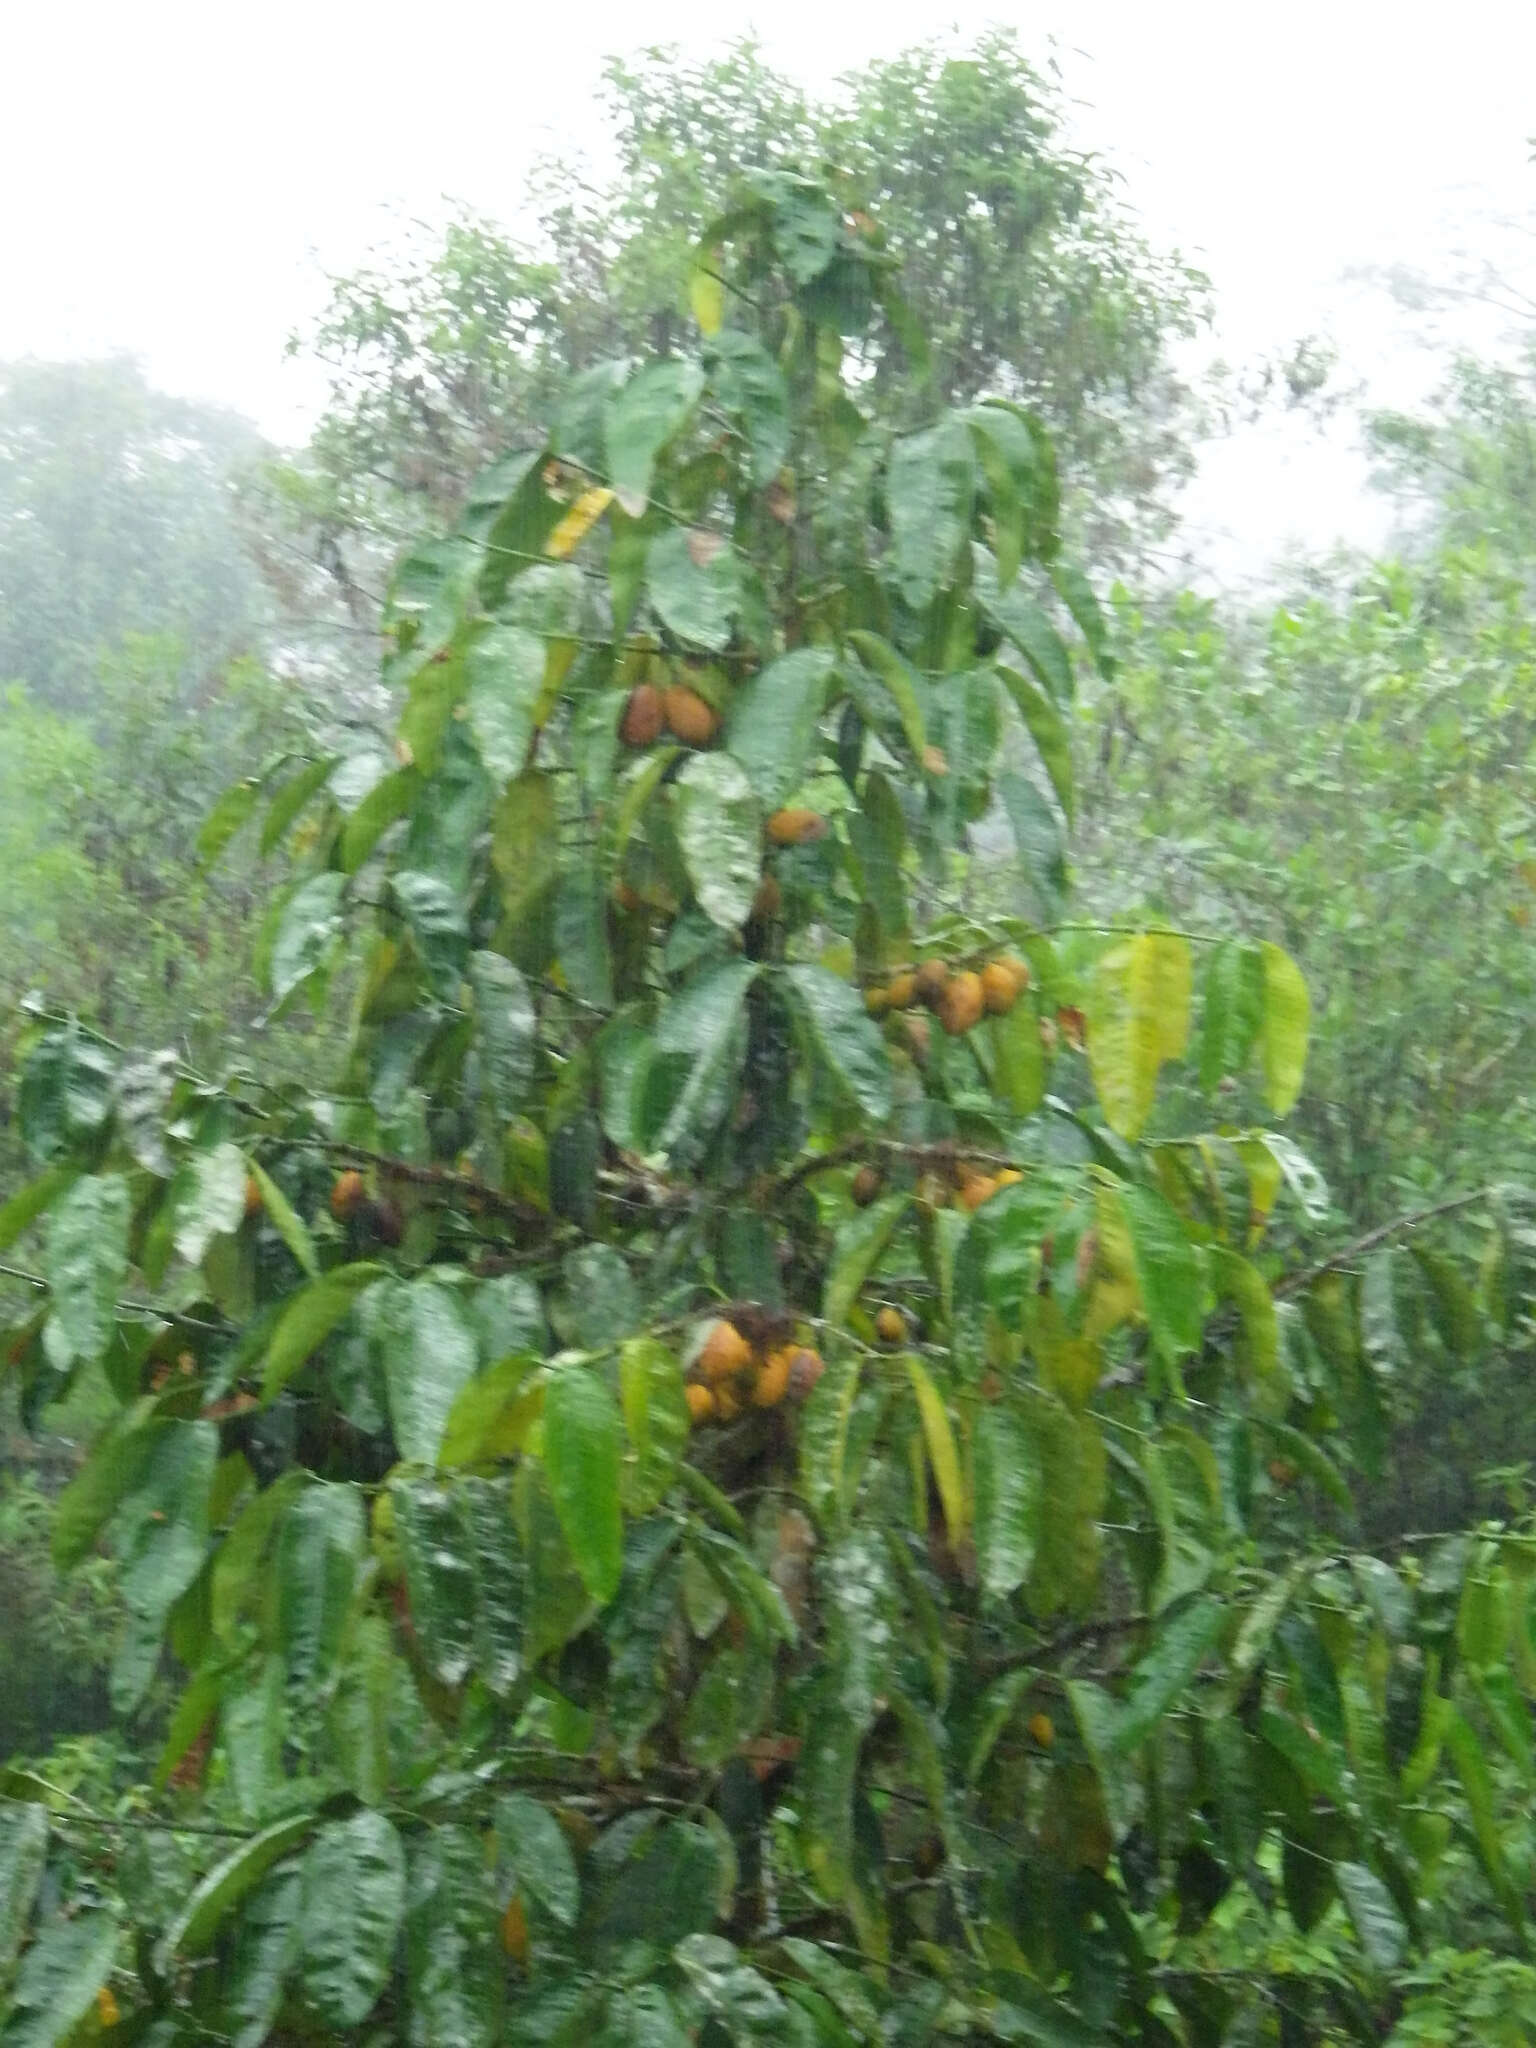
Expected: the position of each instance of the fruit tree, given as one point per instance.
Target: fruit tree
(739, 1475)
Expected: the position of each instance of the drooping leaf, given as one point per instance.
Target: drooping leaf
(227, 1883)
(1234, 1011)
(1168, 1271)
(1046, 727)
(321, 1541)
(208, 1199)
(748, 382)
(530, 1841)
(438, 1577)
(505, 673)
(59, 1978)
(1137, 1017)
(505, 1030)
(842, 1039)
(694, 580)
(308, 928)
(719, 824)
(1283, 1028)
(430, 1354)
(943, 1451)
(639, 421)
(310, 1317)
(353, 1901)
(455, 1967)
(583, 1454)
(773, 722)
(1373, 1913)
(930, 484)
(23, 1851)
(1008, 1485)
(899, 680)
(86, 1264)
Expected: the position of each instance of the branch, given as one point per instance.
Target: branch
(1295, 1283)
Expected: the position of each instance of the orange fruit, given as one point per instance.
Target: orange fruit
(645, 716)
(1018, 968)
(975, 1188)
(727, 1402)
(772, 1382)
(693, 721)
(930, 981)
(796, 827)
(891, 1326)
(961, 1005)
(1042, 1728)
(877, 1000)
(701, 1402)
(999, 989)
(347, 1195)
(901, 991)
(725, 1353)
(867, 1183)
(252, 1199)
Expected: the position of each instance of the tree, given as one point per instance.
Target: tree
(1024, 274)
(691, 1497)
(117, 517)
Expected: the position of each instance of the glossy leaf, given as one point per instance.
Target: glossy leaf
(1283, 1028)
(929, 488)
(229, 1881)
(774, 721)
(310, 1317)
(843, 1041)
(23, 1852)
(641, 419)
(1137, 1017)
(86, 1263)
(352, 1904)
(719, 824)
(59, 1978)
(583, 1454)
(1168, 1271)
(430, 1355)
(694, 581)
(321, 1542)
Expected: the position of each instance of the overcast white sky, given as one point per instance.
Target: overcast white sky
(176, 176)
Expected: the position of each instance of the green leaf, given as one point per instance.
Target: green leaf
(504, 672)
(1048, 730)
(1077, 594)
(748, 382)
(525, 839)
(292, 797)
(1234, 1011)
(229, 813)
(1184, 1640)
(1378, 1925)
(309, 1319)
(208, 1200)
(694, 580)
(1018, 1057)
(59, 1978)
(843, 1041)
(430, 1355)
(1168, 1271)
(719, 825)
(701, 1036)
(455, 1970)
(310, 924)
(1026, 623)
(1283, 1030)
(144, 1090)
(667, 1892)
(1037, 835)
(86, 1261)
(600, 1296)
(493, 1414)
(929, 488)
(264, 1951)
(775, 717)
(321, 1543)
(163, 1522)
(857, 1249)
(288, 1224)
(532, 1844)
(899, 680)
(32, 1201)
(1008, 1483)
(1312, 1459)
(67, 1089)
(943, 1451)
(581, 935)
(641, 418)
(1137, 1017)
(23, 1852)
(706, 292)
(583, 1453)
(438, 1577)
(506, 1031)
(353, 1903)
(92, 1497)
(194, 1927)
(655, 1417)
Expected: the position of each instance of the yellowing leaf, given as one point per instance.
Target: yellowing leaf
(579, 522)
(1283, 1029)
(706, 293)
(1138, 1016)
(943, 1453)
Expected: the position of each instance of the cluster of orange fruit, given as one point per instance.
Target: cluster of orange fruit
(732, 1373)
(959, 998)
(966, 1185)
(651, 709)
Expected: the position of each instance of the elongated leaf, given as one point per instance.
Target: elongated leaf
(930, 484)
(1168, 1271)
(309, 1319)
(232, 810)
(32, 1201)
(531, 1842)
(1037, 835)
(701, 1037)
(23, 1851)
(1047, 728)
(110, 1473)
(236, 1874)
(264, 1951)
(1137, 1017)
(308, 927)
(898, 679)
(430, 1355)
(353, 1905)
(144, 1089)
(208, 1199)
(842, 1039)
(59, 1978)
(1077, 594)
(1184, 1642)
(1234, 1011)
(655, 1418)
(1027, 624)
(504, 670)
(694, 581)
(1008, 1482)
(857, 1249)
(505, 1030)
(748, 382)
(774, 720)
(583, 1454)
(943, 1452)
(289, 1225)
(1373, 1914)
(87, 1260)
(321, 1542)
(639, 421)
(455, 1967)
(719, 824)
(163, 1522)
(1283, 1029)
(438, 1577)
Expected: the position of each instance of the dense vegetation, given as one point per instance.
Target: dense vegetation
(733, 1422)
